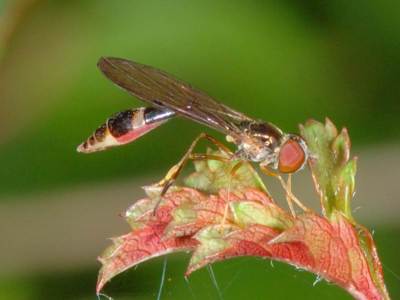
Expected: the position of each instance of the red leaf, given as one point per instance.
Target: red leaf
(252, 241)
(207, 210)
(336, 251)
(254, 226)
(136, 247)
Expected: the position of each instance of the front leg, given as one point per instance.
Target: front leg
(287, 186)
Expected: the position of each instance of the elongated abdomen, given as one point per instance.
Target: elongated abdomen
(125, 127)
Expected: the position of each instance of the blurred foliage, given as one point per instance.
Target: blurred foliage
(282, 61)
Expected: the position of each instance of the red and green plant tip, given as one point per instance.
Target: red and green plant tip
(218, 215)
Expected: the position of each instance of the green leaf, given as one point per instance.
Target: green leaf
(249, 212)
(332, 171)
(211, 241)
(212, 175)
(341, 147)
(345, 185)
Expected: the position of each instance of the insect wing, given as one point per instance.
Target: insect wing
(164, 91)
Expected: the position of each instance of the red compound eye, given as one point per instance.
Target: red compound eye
(291, 157)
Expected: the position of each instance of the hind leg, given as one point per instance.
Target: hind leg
(174, 172)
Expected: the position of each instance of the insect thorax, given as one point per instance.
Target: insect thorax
(260, 141)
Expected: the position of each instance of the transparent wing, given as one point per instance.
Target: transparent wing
(163, 90)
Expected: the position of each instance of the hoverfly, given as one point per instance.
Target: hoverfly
(256, 141)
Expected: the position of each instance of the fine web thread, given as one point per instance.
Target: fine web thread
(105, 296)
(164, 271)
(214, 281)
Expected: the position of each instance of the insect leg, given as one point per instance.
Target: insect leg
(176, 169)
(268, 172)
(174, 172)
(205, 156)
(232, 173)
(289, 190)
(289, 195)
(290, 198)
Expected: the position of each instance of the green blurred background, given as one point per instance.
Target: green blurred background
(283, 61)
